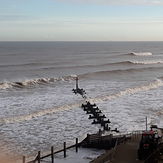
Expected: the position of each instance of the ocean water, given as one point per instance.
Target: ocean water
(38, 108)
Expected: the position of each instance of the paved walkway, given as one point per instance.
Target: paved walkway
(127, 152)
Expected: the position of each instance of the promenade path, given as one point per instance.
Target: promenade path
(127, 151)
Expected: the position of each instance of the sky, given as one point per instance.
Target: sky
(81, 20)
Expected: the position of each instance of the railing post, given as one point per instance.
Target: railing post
(64, 149)
(23, 159)
(76, 145)
(39, 156)
(52, 154)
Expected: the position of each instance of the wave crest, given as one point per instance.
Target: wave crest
(140, 53)
(130, 91)
(137, 62)
(147, 62)
(40, 113)
(116, 72)
(33, 82)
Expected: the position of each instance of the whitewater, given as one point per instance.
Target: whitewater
(38, 108)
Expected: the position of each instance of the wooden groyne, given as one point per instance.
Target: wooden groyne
(93, 110)
(100, 141)
(52, 153)
(98, 117)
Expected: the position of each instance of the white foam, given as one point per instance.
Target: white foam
(129, 91)
(148, 62)
(38, 114)
(5, 85)
(152, 85)
(141, 53)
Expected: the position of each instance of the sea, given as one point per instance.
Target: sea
(38, 108)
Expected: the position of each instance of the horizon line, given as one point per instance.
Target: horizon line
(81, 41)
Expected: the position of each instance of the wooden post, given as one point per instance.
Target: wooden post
(76, 145)
(146, 123)
(88, 138)
(23, 159)
(52, 154)
(99, 131)
(38, 156)
(77, 83)
(64, 149)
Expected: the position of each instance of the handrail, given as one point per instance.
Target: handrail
(62, 150)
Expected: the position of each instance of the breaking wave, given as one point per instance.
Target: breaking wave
(40, 113)
(129, 91)
(148, 62)
(137, 62)
(110, 64)
(140, 54)
(119, 71)
(120, 63)
(33, 82)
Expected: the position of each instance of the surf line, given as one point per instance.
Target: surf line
(129, 91)
(28, 117)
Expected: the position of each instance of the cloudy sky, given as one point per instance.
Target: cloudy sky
(81, 20)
